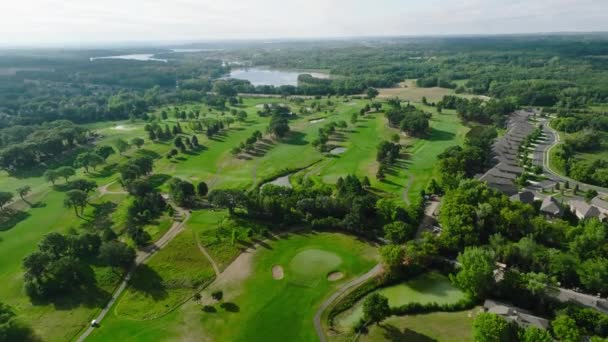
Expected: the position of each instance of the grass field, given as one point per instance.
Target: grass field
(169, 278)
(259, 307)
(437, 326)
(410, 92)
(427, 288)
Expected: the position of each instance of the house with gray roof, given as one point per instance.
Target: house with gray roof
(521, 317)
(601, 205)
(523, 197)
(551, 207)
(583, 210)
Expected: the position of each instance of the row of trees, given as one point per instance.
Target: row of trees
(493, 111)
(26, 148)
(348, 206)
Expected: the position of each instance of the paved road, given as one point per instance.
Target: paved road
(142, 256)
(554, 176)
(353, 283)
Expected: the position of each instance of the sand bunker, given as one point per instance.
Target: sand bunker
(123, 128)
(317, 120)
(277, 272)
(333, 276)
(338, 150)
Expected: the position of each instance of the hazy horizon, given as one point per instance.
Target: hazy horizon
(49, 23)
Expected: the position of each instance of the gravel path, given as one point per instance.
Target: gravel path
(208, 256)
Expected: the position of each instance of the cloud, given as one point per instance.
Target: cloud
(85, 21)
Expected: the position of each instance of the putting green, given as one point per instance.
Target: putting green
(313, 264)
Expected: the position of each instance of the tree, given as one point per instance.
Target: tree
(51, 176)
(179, 143)
(354, 118)
(565, 329)
(372, 93)
(88, 159)
(66, 172)
(117, 254)
(229, 198)
(76, 199)
(202, 189)
(534, 334)
(392, 258)
(11, 328)
(489, 327)
(476, 274)
(594, 275)
(23, 191)
(194, 141)
(139, 142)
(182, 192)
(398, 231)
(590, 194)
(5, 198)
(375, 308)
(105, 151)
(217, 295)
(278, 126)
(121, 145)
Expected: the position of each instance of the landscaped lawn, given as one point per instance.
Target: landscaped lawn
(260, 308)
(283, 310)
(427, 288)
(437, 326)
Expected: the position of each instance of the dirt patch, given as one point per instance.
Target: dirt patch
(335, 276)
(277, 272)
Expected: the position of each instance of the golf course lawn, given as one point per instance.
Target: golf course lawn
(427, 288)
(259, 307)
(436, 326)
(21, 240)
(283, 309)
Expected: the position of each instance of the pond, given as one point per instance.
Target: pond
(262, 76)
(135, 57)
(427, 288)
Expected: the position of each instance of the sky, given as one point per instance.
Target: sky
(82, 22)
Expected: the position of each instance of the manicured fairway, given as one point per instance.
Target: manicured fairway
(427, 288)
(437, 326)
(282, 310)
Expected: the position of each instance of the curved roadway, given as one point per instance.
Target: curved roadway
(553, 175)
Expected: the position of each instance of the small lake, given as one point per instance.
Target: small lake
(136, 57)
(261, 76)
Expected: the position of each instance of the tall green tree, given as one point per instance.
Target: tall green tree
(489, 327)
(121, 146)
(375, 308)
(5, 198)
(476, 273)
(76, 199)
